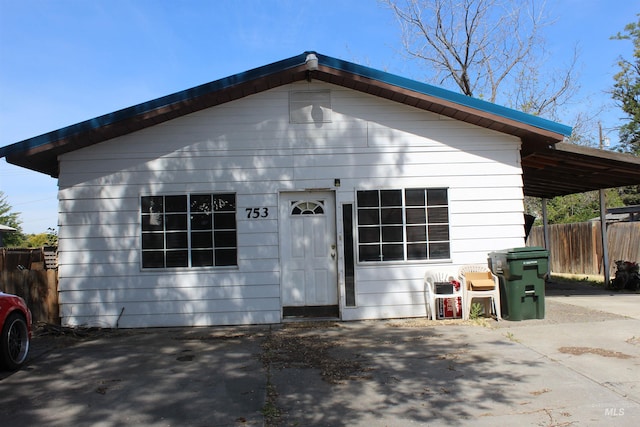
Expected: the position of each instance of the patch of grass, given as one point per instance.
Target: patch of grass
(582, 279)
(511, 337)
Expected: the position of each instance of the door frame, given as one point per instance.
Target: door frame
(312, 311)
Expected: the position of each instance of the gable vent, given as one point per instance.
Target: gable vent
(310, 106)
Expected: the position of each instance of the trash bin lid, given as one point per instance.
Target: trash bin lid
(527, 252)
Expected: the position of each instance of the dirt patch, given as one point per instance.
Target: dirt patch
(633, 340)
(286, 348)
(306, 345)
(423, 322)
(578, 351)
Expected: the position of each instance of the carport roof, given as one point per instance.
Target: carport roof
(564, 168)
(541, 161)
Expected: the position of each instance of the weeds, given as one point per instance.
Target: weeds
(476, 311)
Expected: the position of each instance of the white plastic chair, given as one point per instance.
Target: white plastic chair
(431, 277)
(490, 289)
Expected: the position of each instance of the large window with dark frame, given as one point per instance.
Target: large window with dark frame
(195, 230)
(403, 225)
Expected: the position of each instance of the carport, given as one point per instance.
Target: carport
(561, 169)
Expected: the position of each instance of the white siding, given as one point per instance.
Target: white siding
(249, 147)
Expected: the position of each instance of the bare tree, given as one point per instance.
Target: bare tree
(491, 49)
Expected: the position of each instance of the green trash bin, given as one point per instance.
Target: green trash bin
(521, 272)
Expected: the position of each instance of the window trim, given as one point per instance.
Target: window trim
(189, 230)
(404, 225)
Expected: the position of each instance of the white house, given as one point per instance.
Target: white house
(298, 188)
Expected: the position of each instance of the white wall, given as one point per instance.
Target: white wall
(249, 147)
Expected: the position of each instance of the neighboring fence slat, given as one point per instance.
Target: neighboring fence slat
(29, 273)
(577, 248)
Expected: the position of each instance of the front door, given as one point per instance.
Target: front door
(308, 253)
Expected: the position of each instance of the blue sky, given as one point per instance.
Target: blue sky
(65, 61)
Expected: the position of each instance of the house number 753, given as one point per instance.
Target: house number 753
(257, 212)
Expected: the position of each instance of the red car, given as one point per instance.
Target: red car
(15, 324)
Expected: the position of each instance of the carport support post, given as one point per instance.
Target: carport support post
(603, 232)
(545, 228)
(603, 222)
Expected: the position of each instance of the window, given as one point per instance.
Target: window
(196, 230)
(403, 225)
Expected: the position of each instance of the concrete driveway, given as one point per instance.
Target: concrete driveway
(578, 366)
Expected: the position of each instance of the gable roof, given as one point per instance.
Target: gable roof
(41, 152)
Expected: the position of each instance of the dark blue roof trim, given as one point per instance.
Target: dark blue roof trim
(445, 94)
(145, 107)
(256, 73)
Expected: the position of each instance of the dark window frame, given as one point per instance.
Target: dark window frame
(403, 225)
(196, 230)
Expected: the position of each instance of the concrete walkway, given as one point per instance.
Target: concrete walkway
(578, 366)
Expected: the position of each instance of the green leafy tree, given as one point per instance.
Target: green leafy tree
(573, 207)
(10, 219)
(50, 238)
(626, 90)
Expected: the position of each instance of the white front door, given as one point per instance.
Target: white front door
(308, 249)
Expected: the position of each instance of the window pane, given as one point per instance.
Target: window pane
(368, 217)
(438, 215)
(392, 252)
(176, 240)
(391, 198)
(226, 257)
(201, 239)
(224, 202)
(153, 241)
(392, 234)
(225, 239)
(416, 216)
(175, 203)
(439, 250)
(153, 259)
(152, 222)
(176, 222)
(177, 258)
(369, 253)
(414, 197)
(224, 221)
(202, 258)
(437, 197)
(417, 233)
(201, 221)
(201, 203)
(417, 251)
(438, 232)
(151, 204)
(368, 198)
(369, 234)
(391, 216)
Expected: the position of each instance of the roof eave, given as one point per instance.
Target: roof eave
(41, 153)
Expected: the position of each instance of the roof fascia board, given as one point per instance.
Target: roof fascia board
(444, 94)
(42, 142)
(552, 135)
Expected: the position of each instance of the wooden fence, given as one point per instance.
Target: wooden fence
(33, 275)
(577, 248)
